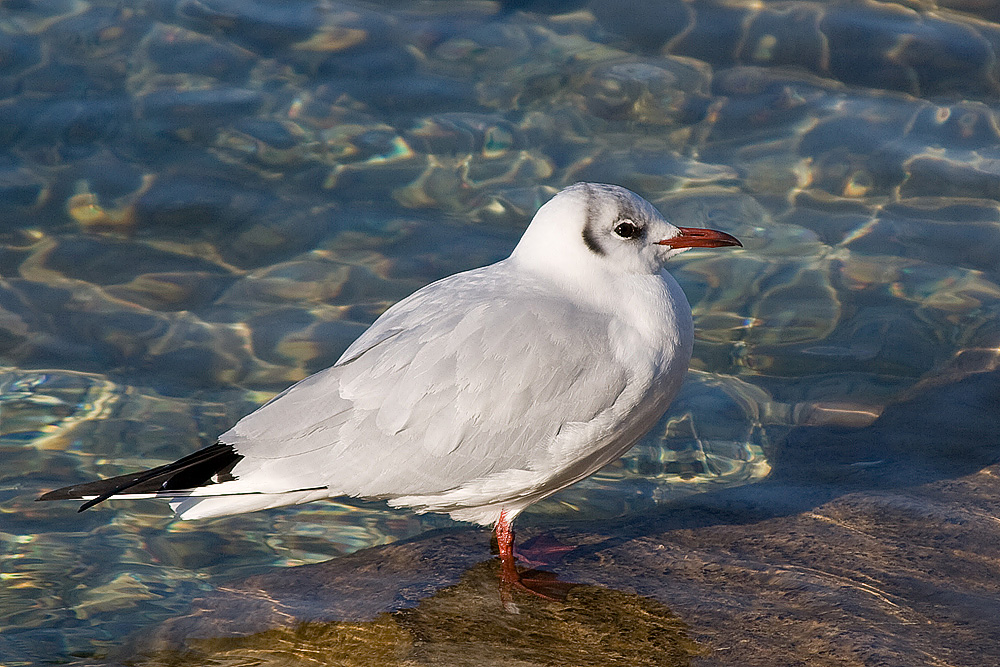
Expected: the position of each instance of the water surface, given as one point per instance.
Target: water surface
(204, 201)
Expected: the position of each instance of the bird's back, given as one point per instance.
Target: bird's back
(467, 379)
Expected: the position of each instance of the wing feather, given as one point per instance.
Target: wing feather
(434, 395)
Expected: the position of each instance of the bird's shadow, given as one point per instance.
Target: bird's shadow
(939, 432)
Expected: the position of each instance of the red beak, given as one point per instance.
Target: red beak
(695, 237)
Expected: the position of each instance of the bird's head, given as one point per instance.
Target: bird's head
(589, 226)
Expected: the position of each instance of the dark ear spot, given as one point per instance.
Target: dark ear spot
(590, 240)
(589, 237)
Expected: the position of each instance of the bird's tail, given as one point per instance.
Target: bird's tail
(208, 466)
(199, 485)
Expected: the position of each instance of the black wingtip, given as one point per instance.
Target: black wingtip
(90, 503)
(189, 472)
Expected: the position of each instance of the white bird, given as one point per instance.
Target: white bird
(477, 395)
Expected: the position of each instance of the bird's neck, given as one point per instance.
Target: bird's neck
(590, 282)
(650, 311)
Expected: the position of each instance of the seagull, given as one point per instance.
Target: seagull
(477, 395)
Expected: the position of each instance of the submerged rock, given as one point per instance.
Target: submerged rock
(465, 624)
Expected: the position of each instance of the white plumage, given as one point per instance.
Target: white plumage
(485, 391)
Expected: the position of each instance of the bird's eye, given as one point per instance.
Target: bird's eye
(626, 230)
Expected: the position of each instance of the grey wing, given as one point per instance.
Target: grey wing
(460, 381)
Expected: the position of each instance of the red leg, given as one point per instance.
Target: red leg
(505, 541)
(543, 584)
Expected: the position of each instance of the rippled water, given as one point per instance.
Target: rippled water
(202, 201)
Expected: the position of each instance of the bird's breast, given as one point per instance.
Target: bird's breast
(652, 326)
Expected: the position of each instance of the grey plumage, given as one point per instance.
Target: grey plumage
(480, 393)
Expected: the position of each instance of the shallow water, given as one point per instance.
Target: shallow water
(202, 202)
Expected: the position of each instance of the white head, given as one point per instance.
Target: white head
(591, 226)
